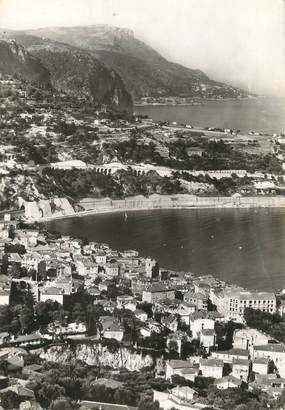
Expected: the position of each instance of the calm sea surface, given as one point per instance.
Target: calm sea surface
(261, 114)
(241, 246)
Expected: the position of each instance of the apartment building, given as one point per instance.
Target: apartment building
(232, 303)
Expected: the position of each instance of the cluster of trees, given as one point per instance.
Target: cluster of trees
(224, 186)
(273, 325)
(77, 183)
(77, 381)
(24, 315)
(217, 155)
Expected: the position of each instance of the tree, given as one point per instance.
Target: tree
(148, 404)
(48, 393)
(10, 400)
(26, 319)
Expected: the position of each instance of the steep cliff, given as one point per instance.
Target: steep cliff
(77, 72)
(15, 60)
(98, 355)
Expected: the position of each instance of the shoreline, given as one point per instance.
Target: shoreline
(198, 102)
(169, 203)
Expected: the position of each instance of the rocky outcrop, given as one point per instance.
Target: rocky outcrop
(15, 60)
(44, 208)
(77, 72)
(98, 355)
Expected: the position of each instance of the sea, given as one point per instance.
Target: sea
(240, 246)
(266, 115)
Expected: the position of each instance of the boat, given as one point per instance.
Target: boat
(126, 216)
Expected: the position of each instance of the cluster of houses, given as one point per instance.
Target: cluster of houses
(181, 307)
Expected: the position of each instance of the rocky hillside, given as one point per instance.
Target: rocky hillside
(15, 60)
(97, 355)
(144, 71)
(76, 72)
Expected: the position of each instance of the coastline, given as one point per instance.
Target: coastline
(198, 102)
(157, 202)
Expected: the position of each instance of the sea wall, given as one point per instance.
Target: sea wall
(43, 211)
(178, 202)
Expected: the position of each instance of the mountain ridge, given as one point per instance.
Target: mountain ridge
(144, 71)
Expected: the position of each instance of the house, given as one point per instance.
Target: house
(101, 258)
(227, 382)
(228, 356)
(90, 405)
(202, 287)
(32, 339)
(198, 299)
(260, 365)
(208, 338)
(175, 367)
(158, 292)
(4, 297)
(274, 352)
(184, 310)
(114, 331)
(200, 321)
(182, 393)
(122, 301)
(31, 260)
(194, 151)
(176, 339)
(149, 265)
(248, 337)
(212, 368)
(112, 269)
(86, 267)
(179, 398)
(52, 293)
(240, 369)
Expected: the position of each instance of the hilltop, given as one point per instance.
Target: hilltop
(144, 71)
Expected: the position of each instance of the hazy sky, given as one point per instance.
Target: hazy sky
(238, 41)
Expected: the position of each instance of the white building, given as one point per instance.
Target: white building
(228, 356)
(248, 337)
(198, 299)
(52, 293)
(158, 292)
(275, 352)
(232, 302)
(228, 382)
(212, 368)
(208, 338)
(180, 398)
(260, 365)
(198, 324)
(4, 297)
(241, 369)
